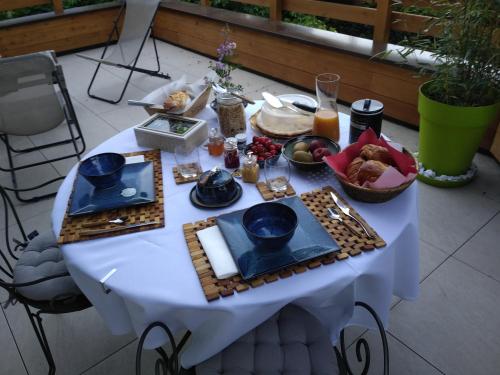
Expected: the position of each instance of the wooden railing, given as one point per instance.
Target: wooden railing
(383, 18)
(19, 4)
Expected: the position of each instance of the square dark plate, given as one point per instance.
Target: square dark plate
(87, 199)
(310, 240)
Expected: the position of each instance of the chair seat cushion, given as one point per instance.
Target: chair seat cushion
(41, 258)
(292, 342)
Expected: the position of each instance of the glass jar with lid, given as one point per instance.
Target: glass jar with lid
(250, 170)
(231, 113)
(231, 157)
(215, 142)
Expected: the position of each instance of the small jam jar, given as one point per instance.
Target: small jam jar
(250, 170)
(215, 142)
(231, 157)
(241, 138)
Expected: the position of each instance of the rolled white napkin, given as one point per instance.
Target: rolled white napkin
(217, 252)
(134, 159)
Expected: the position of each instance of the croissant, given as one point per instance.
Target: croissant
(370, 171)
(353, 169)
(176, 101)
(374, 152)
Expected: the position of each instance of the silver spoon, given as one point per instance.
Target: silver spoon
(335, 216)
(277, 103)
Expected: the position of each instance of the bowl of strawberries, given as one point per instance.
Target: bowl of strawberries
(264, 148)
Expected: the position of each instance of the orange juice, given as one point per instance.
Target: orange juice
(326, 124)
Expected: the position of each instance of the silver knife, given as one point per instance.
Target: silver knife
(346, 210)
(140, 103)
(116, 229)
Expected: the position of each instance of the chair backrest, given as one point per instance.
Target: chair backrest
(13, 229)
(139, 15)
(29, 102)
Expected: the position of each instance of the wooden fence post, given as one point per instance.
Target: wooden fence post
(58, 6)
(275, 10)
(205, 2)
(383, 19)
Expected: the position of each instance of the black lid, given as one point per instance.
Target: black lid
(367, 106)
(214, 178)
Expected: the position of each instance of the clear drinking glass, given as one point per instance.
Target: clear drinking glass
(277, 173)
(326, 119)
(187, 159)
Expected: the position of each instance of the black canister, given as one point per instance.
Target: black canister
(365, 113)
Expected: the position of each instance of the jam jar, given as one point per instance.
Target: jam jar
(231, 157)
(215, 142)
(250, 170)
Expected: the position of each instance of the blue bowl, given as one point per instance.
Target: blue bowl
(103, 170)
(270, 225)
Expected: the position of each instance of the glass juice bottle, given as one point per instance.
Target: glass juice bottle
(326, 118)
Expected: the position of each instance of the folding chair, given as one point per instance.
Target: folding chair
(138, 25)
(290, 342)
(33, 272)
(33, 100)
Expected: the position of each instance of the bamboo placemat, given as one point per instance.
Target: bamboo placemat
(268, 194)
(317, 202)
(72, 225)
(179, 179)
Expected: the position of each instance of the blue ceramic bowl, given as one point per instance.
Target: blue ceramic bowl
(270, 225)
(103, 170)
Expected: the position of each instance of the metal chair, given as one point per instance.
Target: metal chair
(137, 26)
(34, 274)
(34, 99)
(292, 340)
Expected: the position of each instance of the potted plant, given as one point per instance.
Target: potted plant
(463, 96)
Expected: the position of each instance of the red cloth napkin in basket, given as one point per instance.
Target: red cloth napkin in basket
(392, 177)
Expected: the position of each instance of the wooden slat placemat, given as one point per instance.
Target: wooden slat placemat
(179, 179)
(72, 225)
(268, 194)
(317, 202)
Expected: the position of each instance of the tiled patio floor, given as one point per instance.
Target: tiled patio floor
(453, 328)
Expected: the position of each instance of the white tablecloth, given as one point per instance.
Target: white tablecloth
(156, 281)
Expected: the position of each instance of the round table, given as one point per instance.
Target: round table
(156, 281)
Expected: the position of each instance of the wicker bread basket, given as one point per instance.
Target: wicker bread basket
(374, 195)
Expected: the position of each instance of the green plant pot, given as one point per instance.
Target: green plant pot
(450, 135)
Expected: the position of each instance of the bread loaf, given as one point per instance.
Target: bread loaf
(176, 101)
(353, 169)
(374, 152)
(370, 171)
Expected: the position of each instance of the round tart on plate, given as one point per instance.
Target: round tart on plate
(284, 123)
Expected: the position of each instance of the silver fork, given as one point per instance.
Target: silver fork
(346, 210)
(335, 216)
